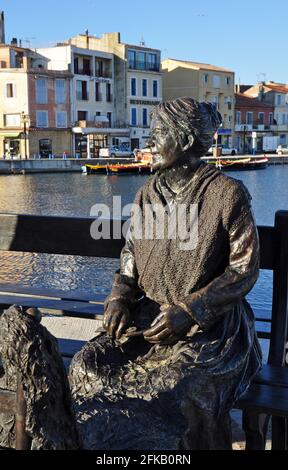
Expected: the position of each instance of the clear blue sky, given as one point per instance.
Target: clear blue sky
(247, 36)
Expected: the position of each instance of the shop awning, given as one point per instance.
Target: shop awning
(101, 131)
(9, 134)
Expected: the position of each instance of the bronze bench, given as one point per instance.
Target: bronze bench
(267, 395)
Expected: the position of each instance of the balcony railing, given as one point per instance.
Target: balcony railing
(83, 71)
(82, 96)
(103, 74)
(255, 127)
(136, 65)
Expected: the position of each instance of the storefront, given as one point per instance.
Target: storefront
(225, 138)
(88, 141)
(10, 144)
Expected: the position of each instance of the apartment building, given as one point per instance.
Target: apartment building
(92, 95)
(204, 82)
(137, 84)
(253, 120)
(35, 105)
(276, 95)
(144, 90)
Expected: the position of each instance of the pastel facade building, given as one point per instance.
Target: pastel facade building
(204, 82)
(34, 103)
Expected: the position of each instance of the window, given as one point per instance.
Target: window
(42, 118)
(152, 62)
(76, 65)
(109, 116)
(108, 93)
(98, 96)
(270, 119)
(276, 120)
(228, 101)
(61, 119)
(10, 90)
(228, 80)
(155, 88)
(284, 119)
(60, 91)
(261, 118)
(12, 120)
(249, 117)
(141, 60)
(238, 117)
(145, 117)
(216, 81)
(131, 59)
(99, 68)
(41, 91)
(133, 87)
(82, 115)
(133, 116)
(86, 67)
(214, 101)
(82, 90)
(278, 100)
(144, 87)
(205, 78)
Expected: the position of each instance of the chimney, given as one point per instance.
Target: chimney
(87, 38)
(2, 28)
(14, 42)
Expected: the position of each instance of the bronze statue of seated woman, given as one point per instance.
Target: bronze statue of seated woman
(180, 346)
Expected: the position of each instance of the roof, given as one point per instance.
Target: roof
(200, 65)
(243, 100)
(278, 87)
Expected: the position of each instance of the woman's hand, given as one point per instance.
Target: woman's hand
(172, 324)
(116, 318)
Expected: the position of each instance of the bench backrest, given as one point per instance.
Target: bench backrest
(71, 236)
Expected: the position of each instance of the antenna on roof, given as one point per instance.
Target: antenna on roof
(261, 77)
(142, 41)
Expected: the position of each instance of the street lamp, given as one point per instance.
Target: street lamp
(26, 122)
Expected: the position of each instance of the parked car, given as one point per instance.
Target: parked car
(282, 149)
(114, 151)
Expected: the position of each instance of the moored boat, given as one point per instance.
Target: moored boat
(120, 168)
(240, 164)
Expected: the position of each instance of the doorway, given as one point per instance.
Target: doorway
(134, 144)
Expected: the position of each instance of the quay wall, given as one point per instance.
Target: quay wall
(57, 165)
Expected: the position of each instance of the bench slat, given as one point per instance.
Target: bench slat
(58, 235)
(71, 307)
(272, 375)
(265, 399)
(52, 293)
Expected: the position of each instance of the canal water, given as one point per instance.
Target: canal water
(75, 194)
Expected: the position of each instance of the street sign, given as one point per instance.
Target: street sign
(254, 135)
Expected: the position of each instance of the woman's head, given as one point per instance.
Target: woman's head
(182, 126)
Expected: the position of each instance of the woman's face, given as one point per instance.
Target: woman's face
(164, 146)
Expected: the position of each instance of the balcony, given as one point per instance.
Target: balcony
(99, 122)
(243, 127)
(145, 66)
(79, 71)
(82, 96)
(103, 74)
